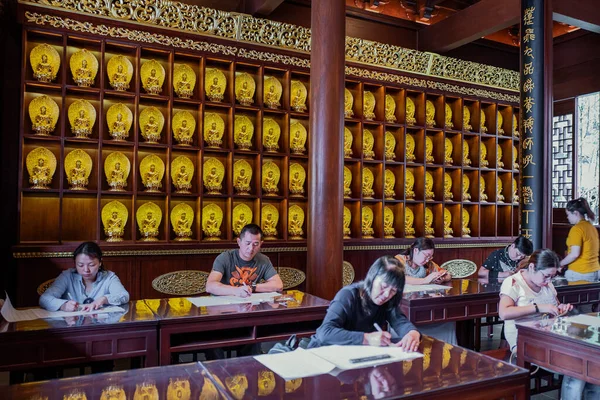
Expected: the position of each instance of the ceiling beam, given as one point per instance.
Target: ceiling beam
(261, 7)
(584, 14)
(472, 23)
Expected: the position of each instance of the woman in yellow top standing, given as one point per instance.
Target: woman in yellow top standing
(582, 243)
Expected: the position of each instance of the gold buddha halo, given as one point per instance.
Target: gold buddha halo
(272, 91)
(119, 119)
(515, 155)
(114, 220)
(409, 220)
(466, 183)
(43, 112)
(368, 105)
(367, 184)
(45, 62)
(184, 81)
(292, 385)
(270, 178)
(483, 162)
(499, 123)
(388, 223)
(148, 218)
(266, 383)
(298, 137)
(499, 195)
(499, 163)
(78, 166)
(410, 148)
(295, 222)
(448, 116)
(151, 124)
(146, 391)
(429, 195)
(120, 72)
(465, 154)
(348, 103)
(484, 129)
(183, 126)
(515, 192)
(368, 144)
(182, 217)
(348, 139)
(84, 67)
(271, 134)
(390, 146)
(429, 149)
(367, 222)
(243, 132)
(82, 117)
(515, 126)
(212, 218)
(41, 165)
(429, 114)
(448, 187)
(182, 173)
(447, 223)
(347, 220)
(389, 185)
(296, 179)
(178, 389)
(410, 112)
(347, 182)
(467, 119)
(482, 196)
(244, 88)
(269, 216)
(214, 129)
(242, 176)
(409, 184)
(242, 216)
(116, 170)
(465, 218)
(212, 176)
(448, 148)
(152, 170)
(390, 109)
(429, 231)
(298, 96)
(215, 83)
(113, 392)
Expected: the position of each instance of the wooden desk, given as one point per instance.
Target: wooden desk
(571, 349)
(65, 341)
(184, 327)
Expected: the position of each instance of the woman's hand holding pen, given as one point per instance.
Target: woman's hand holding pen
(69, 306)
(377, 338)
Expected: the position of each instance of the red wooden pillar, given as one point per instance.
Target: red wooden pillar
(326, 149)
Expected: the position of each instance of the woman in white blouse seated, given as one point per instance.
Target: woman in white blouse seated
(88, 284)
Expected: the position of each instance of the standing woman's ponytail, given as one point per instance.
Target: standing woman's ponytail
(582, 207)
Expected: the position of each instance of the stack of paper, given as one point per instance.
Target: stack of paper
(254, 298)
(408, 288)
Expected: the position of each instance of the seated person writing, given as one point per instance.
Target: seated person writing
(88, 284)
(237, 272)
(353, 313)
(419, 266)
(503, 263)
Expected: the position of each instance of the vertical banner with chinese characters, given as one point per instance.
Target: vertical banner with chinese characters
(532, 117)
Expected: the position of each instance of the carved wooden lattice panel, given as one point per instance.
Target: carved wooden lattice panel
(562, 160)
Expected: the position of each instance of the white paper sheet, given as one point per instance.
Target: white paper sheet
(584, 320)
(340, 356)
(254, 298)
(295, 364)
(424, 288)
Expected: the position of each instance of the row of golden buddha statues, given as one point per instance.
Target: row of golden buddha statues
(41, 166)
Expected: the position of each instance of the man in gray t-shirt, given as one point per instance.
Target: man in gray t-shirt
(237, 272)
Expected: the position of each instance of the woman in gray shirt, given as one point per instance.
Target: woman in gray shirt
(88, 284)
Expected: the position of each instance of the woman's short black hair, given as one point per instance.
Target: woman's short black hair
(524, 245)
(391, 271)
(90, 249)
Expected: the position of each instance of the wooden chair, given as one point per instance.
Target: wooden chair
(181, 283)
(44, 286)
(291, 277)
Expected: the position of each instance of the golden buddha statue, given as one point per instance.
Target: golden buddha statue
(499, 123)
(389, 186)
(368, 143)
(298, 137)
(499, 163)
(466, 183)
(467, 119)
(116, 170)
(82, 116)
(368, 105)
(390, 109)
(244, 88)
(45, 62)
(269, 217)
(152, 170)
(347, 182)
(367, 184)
(347, 220)
(388, 223)
(482, 196)
(266, 383)
(515, 191)
(410, 112)
(213, 174)
(515, 126)
(214, 129)
(78, 166)
(348, 103)
(429, 230)
(448, 187)
(429, 149)
(182, 217)
(119, 119)
(43, 112)
(390, 146)
(153, 76)
(367, 223)
(483, 162)
(465, 223)
(272, 92)
(448, 116)
(184, 81)
(429, 195)
(182, 173)
(148, 218)
(270, 178)
(178, 389)
(237, 385)
(348, 139)
(515, 155)
(299, 95)
(271, 134)
(183, 126)
(297, 178)
(243, 132)
(447, 223)
(84, 67)
(429, 114)
(120, 72)
(466, 160)
(112, 392)
(40, 177)
(499, 195)
(212, 218)
(41, 165)
(410, 148)
(409, 184)
(242, 216)
(215, 84)
(484, 129)
(448, 148)
(409, 219)
(114, 219)
(151, 124)
(242, 174)
(296, 220)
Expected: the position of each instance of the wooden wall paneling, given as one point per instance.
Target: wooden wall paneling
(125, 269)
(32, 272)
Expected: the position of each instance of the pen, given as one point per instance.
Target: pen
(376, 325)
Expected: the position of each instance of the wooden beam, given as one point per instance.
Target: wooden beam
(261, 7)
(584, 14)
(472, 23)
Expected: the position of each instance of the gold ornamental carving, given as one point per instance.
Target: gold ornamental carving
(295, 222)
(367, 222)
(499, 195)
(214, 129)
(146, 391)
(113, 392)
(429, 150)
(347, 220)
(298, 137)
(184, 81)
(465, 218)
(348, 139)
(367, 184)
(242, 176)
(389, 185)
(515, 126)
(499, 163)
(429, 230)
(84, 67)
(515, 191)
(448, 116)
(448, 187)
(448, 148)
(271, 134)
(466, 183)
(182, 217)
(215, 84)
(212, 176)
(409, 220)
(114, 220)
(483, 162)
(388, 223)
(482, 196)
(212, 218)
(467, 119)
(515, 155)
(429, 195)
(120, 72)
(447, 223)
(179, 389)
(182, 173)
(152, 170)
(245, 86)
(242, 216)
(153, 76)
(348, 103)
(43, 112)
(183, 126)
(41, 166)
(270, 179)
(465, 154)
(484, 129)
(152, 122)
(409, 184)
(45, 62)
(82, 117)
(298, 96)
(368, 144)
(347, 182)
(368, 105)
(429, 114)
(243, 132)
(78, 166)
(272, 90)
(116, 170)
(499, 123)
(390, 109)
(410, 148)
(297, 179)
(390, 146)
(410, 111)
(269, 218)
(119, 119)
(148, 218)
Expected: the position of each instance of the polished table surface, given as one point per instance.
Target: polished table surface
(444, 372)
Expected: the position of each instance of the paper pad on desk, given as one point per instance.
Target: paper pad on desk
(254, 298)
(584, 320)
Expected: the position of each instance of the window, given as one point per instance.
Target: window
(588, 150)
(562, 160)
